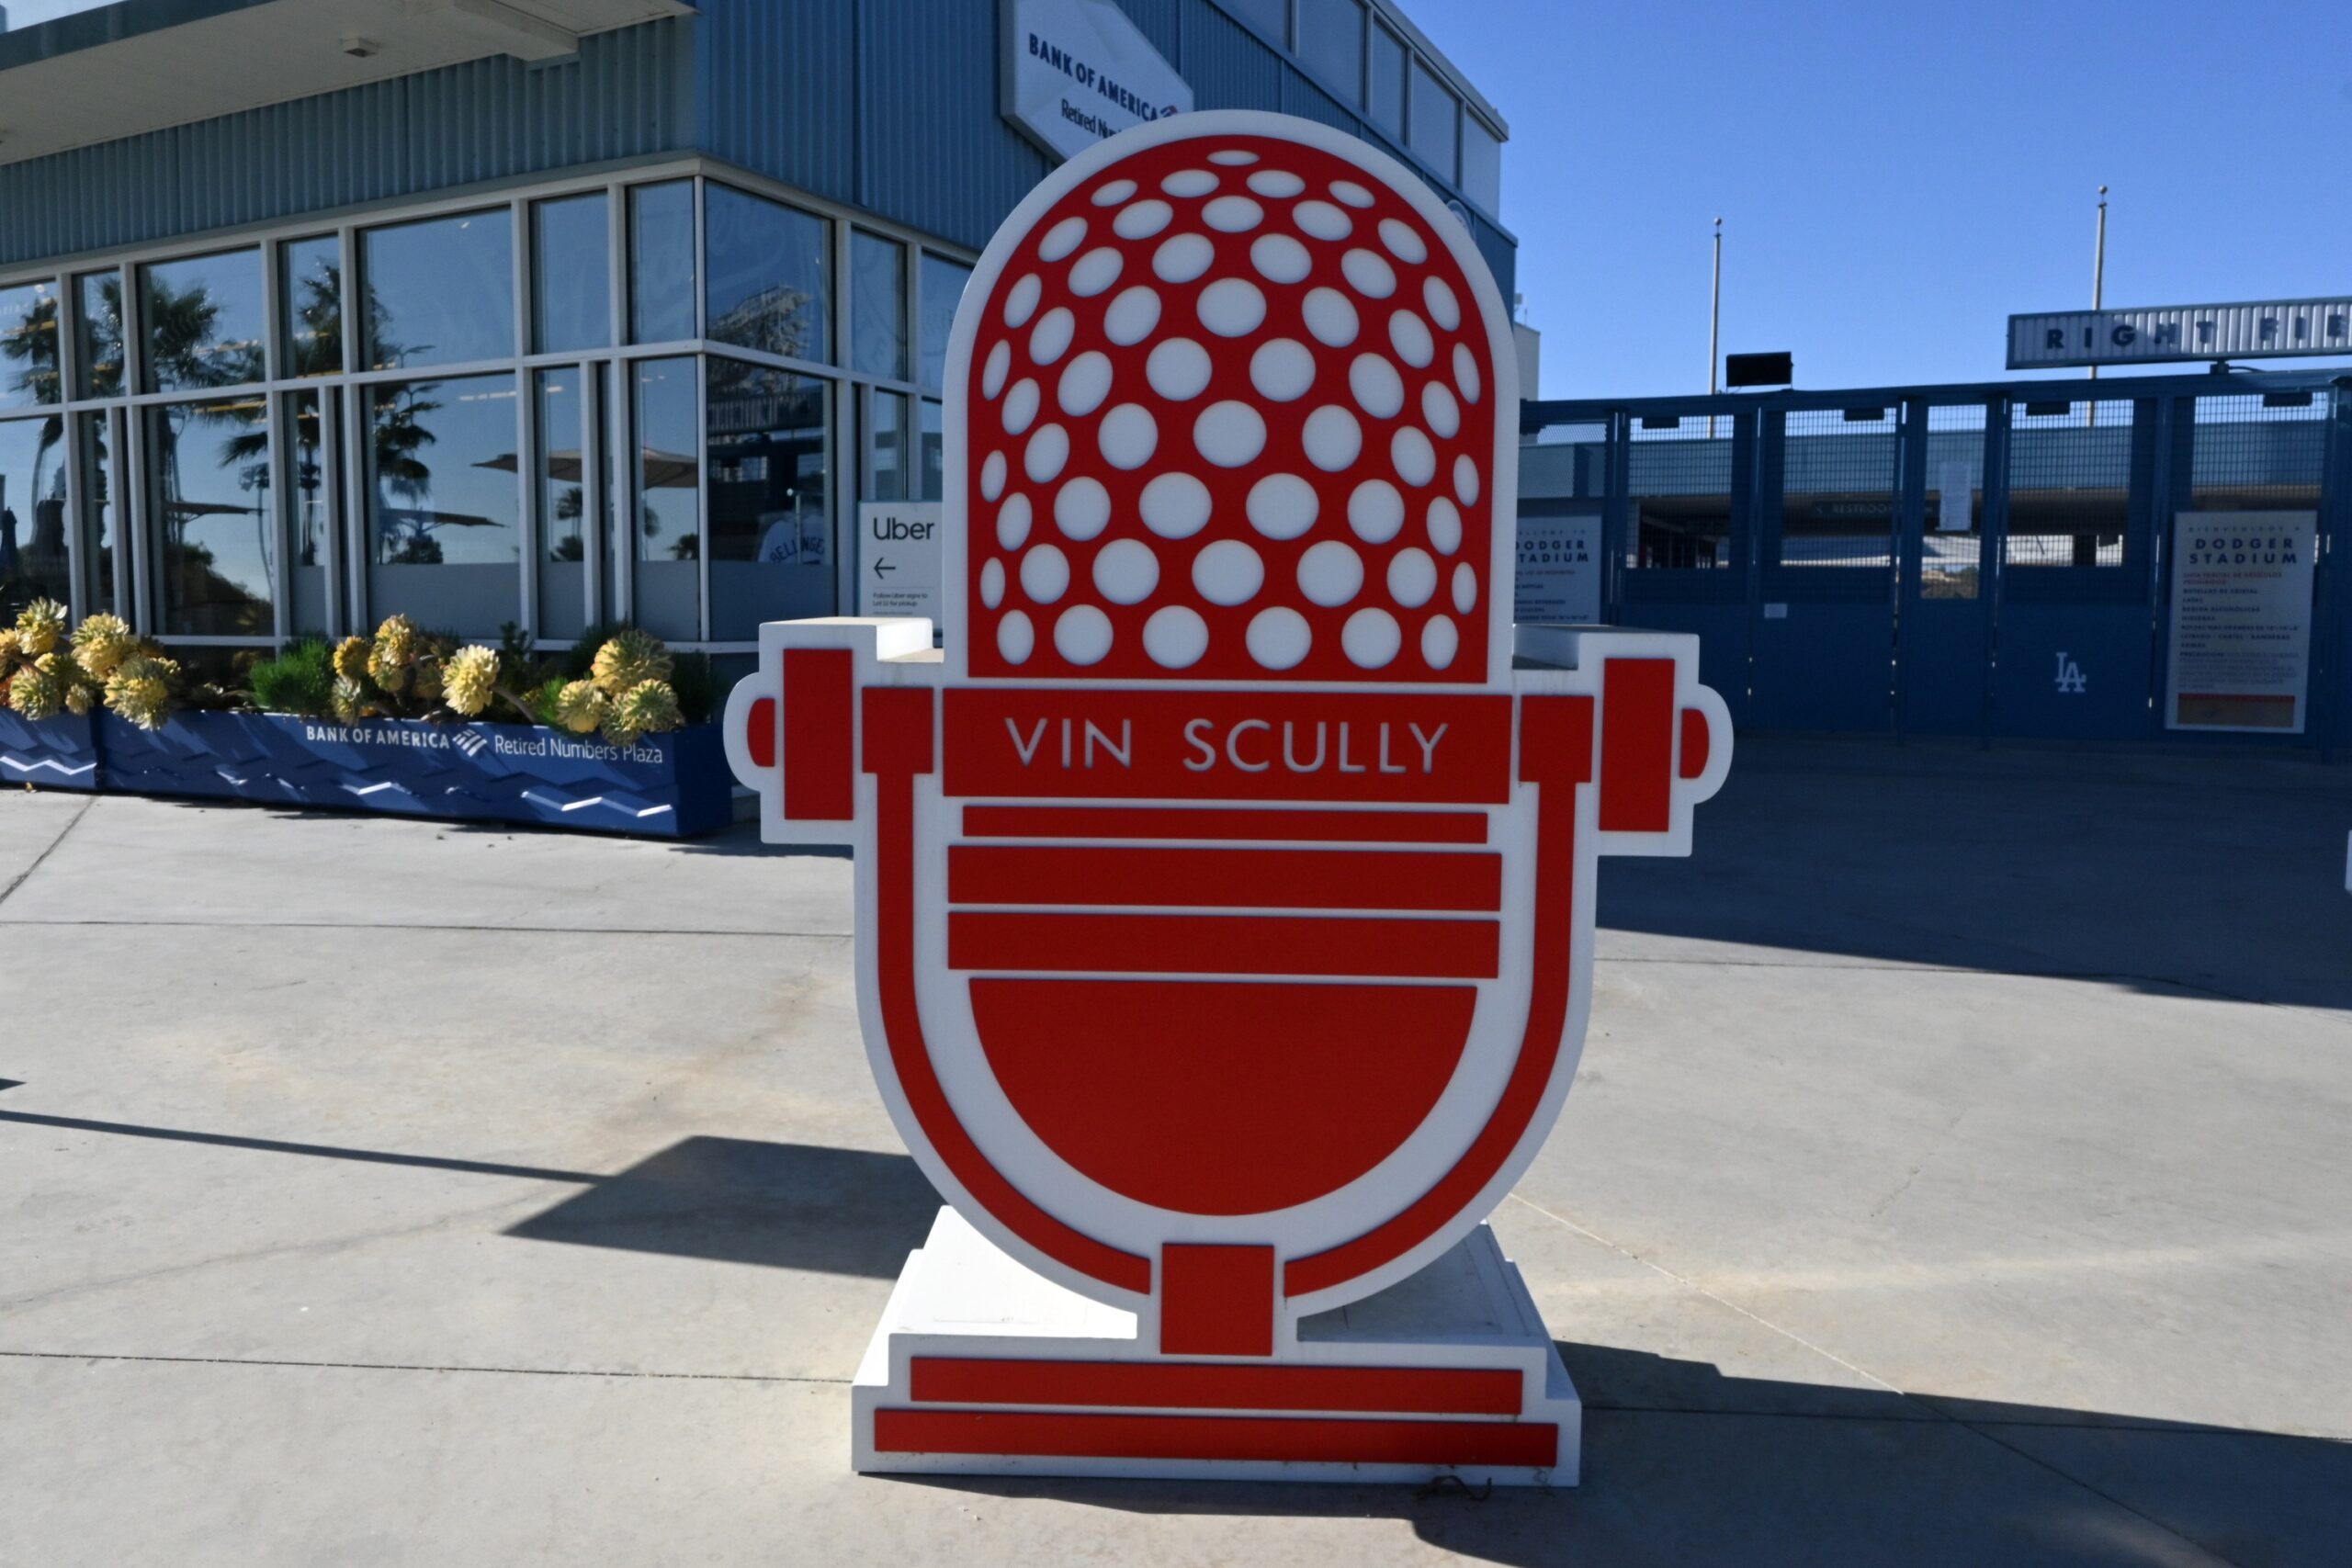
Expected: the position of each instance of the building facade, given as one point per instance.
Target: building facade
(557, 313)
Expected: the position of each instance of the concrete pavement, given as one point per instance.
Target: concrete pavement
(1955, 1175)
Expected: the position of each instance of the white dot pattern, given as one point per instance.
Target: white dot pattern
(1227, 422)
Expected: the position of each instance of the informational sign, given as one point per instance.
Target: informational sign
(2240, 620)
(898, 559)
(1077, 71)
(1559, 570)
(2263, 329)
(1223, 883)
(1955, 496)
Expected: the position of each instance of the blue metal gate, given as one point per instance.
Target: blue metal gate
(1988, 561)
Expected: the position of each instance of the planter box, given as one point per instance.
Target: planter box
(669, 786)
(48, 753)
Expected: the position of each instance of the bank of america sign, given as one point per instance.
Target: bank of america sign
(2260, 329)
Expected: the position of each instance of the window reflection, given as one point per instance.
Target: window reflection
(32, 514)
(316, 507)
(204, 320)
(28, 344)
(98, 315)
(97, 510)
(1388, 81)
(770, 277)
(886, 448)
(562, 489)
(1433, 113)
(877, 298)
(943, 287)
(444, 509)
(216, 564)
(440, 291)
(311, 298)
(571, 268)
(934, 451)
(1330, 40)
(668, 486)
(661, 262)
(770, 521)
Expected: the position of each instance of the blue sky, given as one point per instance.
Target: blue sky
(1896, 177)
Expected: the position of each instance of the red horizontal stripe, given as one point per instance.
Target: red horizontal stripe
(1223, 944)
(1210, 1385)
(1304, 1439)
(1467, 881)
(1212, 822)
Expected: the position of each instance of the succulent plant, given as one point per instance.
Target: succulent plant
(80, 698)
(11, 648)
(140, 689)
(36, 692)
(629, 659)
(470, 679)
(425, 682)
(40, 626)
(397, 644)
(646, 708)
(349, 699)
(351, 658)
(100, 643)
(579, 707)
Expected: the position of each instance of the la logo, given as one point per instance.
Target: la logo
(1225, 884)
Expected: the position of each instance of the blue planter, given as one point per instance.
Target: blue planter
(48, 753)
(668, 786)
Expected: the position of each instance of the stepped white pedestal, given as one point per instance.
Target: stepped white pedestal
(981, 1367)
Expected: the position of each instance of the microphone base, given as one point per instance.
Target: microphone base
(982, 1366)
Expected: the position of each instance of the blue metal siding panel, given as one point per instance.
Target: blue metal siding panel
(1304, 99)
(779, 86)
(939, 156)
(1162, 22)
(1229, 66)
(628, 94)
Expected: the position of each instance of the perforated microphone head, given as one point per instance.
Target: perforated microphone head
(1237, 403)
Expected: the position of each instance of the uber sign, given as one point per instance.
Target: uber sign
(1077, 71)
(2262, 328)
(897, 564)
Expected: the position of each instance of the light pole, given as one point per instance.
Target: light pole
(2099, 283)
(1715, 322)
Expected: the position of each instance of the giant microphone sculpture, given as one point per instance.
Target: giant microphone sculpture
(1225, 883)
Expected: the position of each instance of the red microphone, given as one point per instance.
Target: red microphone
(1225, 882)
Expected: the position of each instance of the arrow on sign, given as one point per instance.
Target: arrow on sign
(881, 566)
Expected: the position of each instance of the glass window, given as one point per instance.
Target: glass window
(886, 448)
(316, 508)
(97, 510)
(661, 262)
(667, 482)
(770, 277)
(99, 320)
(440, 291)
(309, 298)
(943, 287)
(934, 451)
(1388, 81)
(204, 320)
(29, 345)
(1481, 164)
(878, 301)
(572, 280)
(444, 512)
(32, 515)
(771, 524)
(207, 473)
(1433, 121)
(1330, 40)
(562, 493)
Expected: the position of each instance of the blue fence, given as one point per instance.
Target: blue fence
(1988, 561)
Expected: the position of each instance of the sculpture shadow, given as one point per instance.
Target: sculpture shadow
(741, 1201)
(2173, 873)
(1683, 1465)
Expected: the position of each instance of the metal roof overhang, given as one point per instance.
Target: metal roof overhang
(142, 66)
